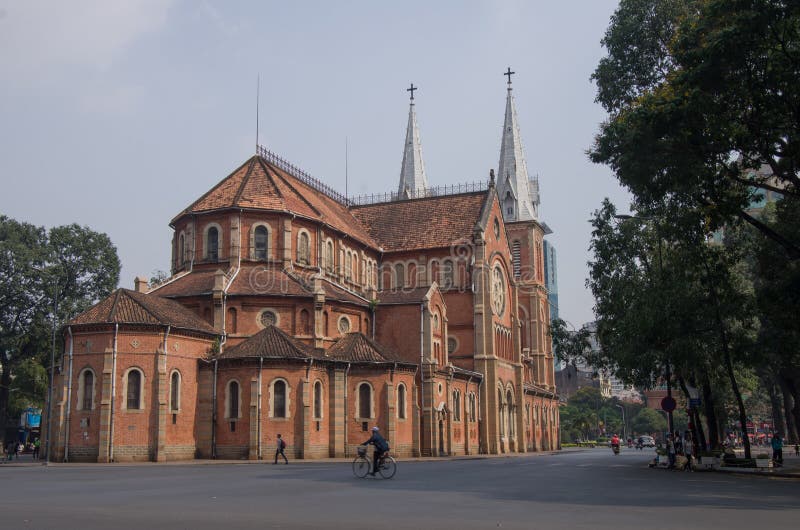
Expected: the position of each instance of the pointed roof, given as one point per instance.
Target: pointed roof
(357, 347)
(412, 172)
(261, 184)
(124, 306)
(429, 222)
(269, 343)
(518, 196)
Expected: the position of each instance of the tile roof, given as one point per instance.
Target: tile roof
(258, 184)
(430, 222)
(269, 343)
(357, 347)
(124, 306)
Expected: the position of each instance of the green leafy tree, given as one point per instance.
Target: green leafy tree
(648, 421)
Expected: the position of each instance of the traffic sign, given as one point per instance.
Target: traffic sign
(668, 404)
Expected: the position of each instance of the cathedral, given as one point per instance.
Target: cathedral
(293, 310)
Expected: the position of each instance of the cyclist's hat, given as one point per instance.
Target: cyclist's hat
(375, 429)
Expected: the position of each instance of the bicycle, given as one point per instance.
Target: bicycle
(387, 465)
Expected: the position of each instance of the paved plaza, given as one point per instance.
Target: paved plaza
(573, 490)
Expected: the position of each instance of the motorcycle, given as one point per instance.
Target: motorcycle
(615, 448)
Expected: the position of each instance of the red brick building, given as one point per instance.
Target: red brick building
(294, 310)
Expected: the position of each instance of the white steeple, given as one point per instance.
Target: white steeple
(519, 195)
(412, 173)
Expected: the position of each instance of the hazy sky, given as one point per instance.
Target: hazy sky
(119, 114)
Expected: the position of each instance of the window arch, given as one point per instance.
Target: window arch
(303, 247)
(259, 242)
(364, 400)
(329, 264)
(133, 389)
(399, 275)
(305, 322)
(447, 274)
(318, 400)
(213, 242)
(401, 401)
(515, 258)
(280, 408)
(181, 257)
(233, 400)
(456, 405)
(472, 406)
(86, 381)
(175, 391)
(232, 324)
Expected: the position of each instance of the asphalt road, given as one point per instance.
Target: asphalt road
(577, 490)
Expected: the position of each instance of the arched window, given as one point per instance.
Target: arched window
(510, 412)
(447, 274)
(87, 390)
(329, 256)
(279, 399)
(325, 331)
(472, 407)
(364, 401)
(354, 267)
(233, 399)
(261, 243)
(175, 392)
(401, 401)
(134, 396)
(399, 275)
(232, 320)
(500, 415)
(318, 400)
(515, 258)
(303, 248)
(181, 250)
(212, 244)
(304, 322)
(456, 405)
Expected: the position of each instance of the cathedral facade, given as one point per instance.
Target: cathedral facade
(294, 310)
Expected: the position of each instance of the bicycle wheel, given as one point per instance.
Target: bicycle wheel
(361, 467)
(388, 467)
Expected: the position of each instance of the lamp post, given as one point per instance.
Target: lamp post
(624, 426)
(54, 285)
(667, 368)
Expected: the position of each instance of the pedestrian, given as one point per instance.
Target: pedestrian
(687, 451)
(796, 449)
(279, 450)
(11, 449)
(670, 451)
(36, 444)
(777, 449)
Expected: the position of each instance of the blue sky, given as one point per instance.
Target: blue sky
(117, 115)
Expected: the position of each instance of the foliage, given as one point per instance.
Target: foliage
(46, 278)
(648, 421)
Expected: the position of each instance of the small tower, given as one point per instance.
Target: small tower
(518, 194)
(412, 173)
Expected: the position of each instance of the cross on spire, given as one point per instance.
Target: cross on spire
(412, 89)
(509, 73)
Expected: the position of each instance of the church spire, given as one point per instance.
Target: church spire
(412, 173)
(519, 195)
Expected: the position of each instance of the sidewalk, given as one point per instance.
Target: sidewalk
(789, 469)
(27, 461)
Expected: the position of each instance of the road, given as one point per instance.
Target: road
(575, 490)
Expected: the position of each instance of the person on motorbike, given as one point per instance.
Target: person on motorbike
(615, 443)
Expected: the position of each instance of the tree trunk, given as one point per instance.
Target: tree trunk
(5, 392)
(775, 402)
(791, 408)
(694, 425)
(711, 415)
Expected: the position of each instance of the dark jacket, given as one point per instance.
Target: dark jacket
(378, 441)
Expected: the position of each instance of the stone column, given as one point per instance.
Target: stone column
(252, 453)
(308, 395)
(287, 243)
(161, 401)
(391, 421)
(205, 382)
(104, 444)
(337, 413)
(415, 419)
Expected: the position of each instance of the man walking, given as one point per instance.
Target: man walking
(279, 451)
(777, 449)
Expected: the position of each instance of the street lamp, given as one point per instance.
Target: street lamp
(54, 286)
(667, 368)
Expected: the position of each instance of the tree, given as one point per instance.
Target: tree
(46, 278)
(700, 94)
(648, 421)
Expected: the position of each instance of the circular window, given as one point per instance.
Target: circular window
(344, 325)
(452, 344)
(498, 292)
(497, 229)
(268, 318)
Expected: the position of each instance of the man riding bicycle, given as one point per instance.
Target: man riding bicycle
(381, 448)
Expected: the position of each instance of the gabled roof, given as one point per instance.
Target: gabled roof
(357, 347)
(124, 306)
(260, 185)
(430, 222)
(269, 343)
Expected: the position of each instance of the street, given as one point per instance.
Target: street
(575, 490)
